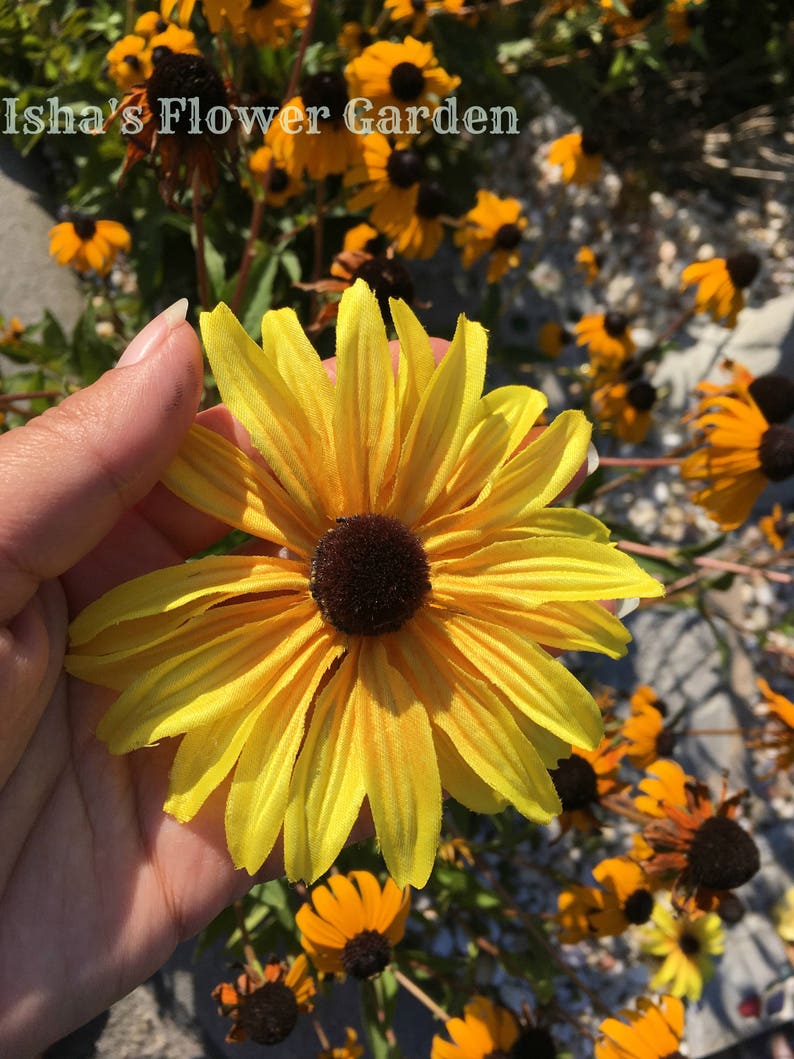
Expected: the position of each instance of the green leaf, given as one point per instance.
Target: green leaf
(263, 277)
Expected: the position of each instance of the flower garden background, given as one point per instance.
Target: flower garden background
(637, 212)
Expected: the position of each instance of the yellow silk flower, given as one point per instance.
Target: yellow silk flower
(391, 647)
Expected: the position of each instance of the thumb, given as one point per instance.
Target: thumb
(67, 476)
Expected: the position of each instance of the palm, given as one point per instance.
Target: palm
(105, 884)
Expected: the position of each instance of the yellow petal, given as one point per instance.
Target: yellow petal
(441, 424)
(397, 758)
(364, 426)
(214, 476)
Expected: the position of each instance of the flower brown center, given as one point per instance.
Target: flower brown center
(689, 943)
(269, 1015)
(279, 179)
(431, 200)
(507, 237)
(774, 395)
(132, 61)
(369, 575)
(665, 742)
(326, 89)
(615, 324)
(576, 783)
(776, 452)
(641, 395)
(590, 144)
(638, 907)
(404, 168)
(722, 855)
(388, 279)
(190, 76)
(535, 1042)
(84, 227)
(366, 954)
(407, 82)
(742, 268)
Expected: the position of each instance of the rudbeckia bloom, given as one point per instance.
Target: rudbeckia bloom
(775, 527)
(700, 850)
(389, 177)
(608, 341)
(665, 785)
(421, 235)
(488, 1030)
(623, 405)
(579, 154)
(271, 23)
(332, 148)
(720, 282)
(685, 946)
(583, 779)
(627, 897)
(494, 227)
(644, 730)
(88, 245)
(11, 332)
(589, 263)
(740, 453)
(354, 38)
(420, 10)
(265, 1007)
(129, 61)
(653, 1031)
(551, 339)
(386, 277)
(351, 1049)
(393, 649)
(778, 734)
(280, 185)
(352, 929)
(399, 75)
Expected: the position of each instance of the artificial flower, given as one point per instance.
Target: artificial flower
(551, 339)
(488, 1030)
(88, 245)
(352, 929)
(493, 226)
(739, 453)
(395, 651)
(129, 61)
(265, 1006)
(653, 1031)
(399, 75)
(608, 341)
(720, 284)
(579, 154)
(323, 145)
(351, 1049)
(685, 946)
(644, 730)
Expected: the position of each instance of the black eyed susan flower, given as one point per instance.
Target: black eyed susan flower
(608, 341)
(623, 406)
(399, 75)
(627, 897)
(552, 337)
(88, 245)
(421, 235)
(363, 237)
(720, 285)
(775, 527)
(777, 735)
(425, 572)
(488, 1031)
(278, 183)
(645, 732)
(583, 779)
(184, 151)
(129, 61)
(353, 925)
(226, 15)
(739, 453)
(265, 1007)
(653, 1031)
(353, 38)
(575, 905)
(150, 23)
(588, 263)
(685, 946)
(320, 148)
(418, 11)
(271, 23)
(665, 785)
(384, 274)
(173, 40)
(493, 226)
(388, 177)
(11, 332)
(351, 1049)
(700, 850)
(579, 154)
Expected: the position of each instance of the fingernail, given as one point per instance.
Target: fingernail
(592, 459)
(626, 606)
(147, 340)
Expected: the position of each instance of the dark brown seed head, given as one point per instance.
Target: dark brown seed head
(387, 278)
(85, 227)
(638, 906)
(507, 237)
(407, 82)
(191, 76)
(774, 395)
(743, 268)
(615, 324)
(366, 954)
(776, 452)
(641, 395)
(404, 168)
(722, 855)
(268, 1015)
(576, 783)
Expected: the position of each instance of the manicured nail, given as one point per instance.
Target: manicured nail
(626, 606)
(150, 338)
(592, 459)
